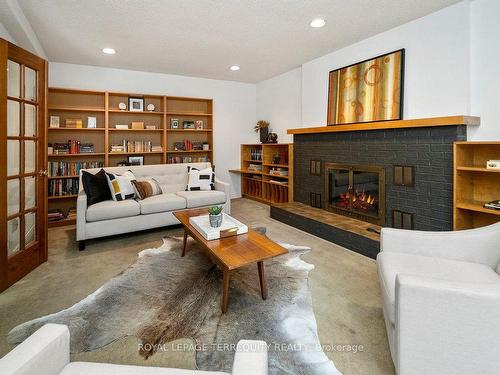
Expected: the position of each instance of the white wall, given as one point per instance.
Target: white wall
(4, 34)
(279, 102)
(485, 68)
(436, 66)
(234, 103)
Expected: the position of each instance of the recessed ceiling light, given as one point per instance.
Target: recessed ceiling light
(235, 67)
(318, 22)
(109, 51)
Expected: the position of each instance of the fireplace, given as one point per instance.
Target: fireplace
(356, 190)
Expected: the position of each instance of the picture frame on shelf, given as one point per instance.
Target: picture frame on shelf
(91, 122)
(174, 123)
(54, 122)
(199, 124)
(188, 124)
(136, 160)
(136, 104)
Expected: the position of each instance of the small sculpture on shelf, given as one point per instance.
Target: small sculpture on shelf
(272, 138)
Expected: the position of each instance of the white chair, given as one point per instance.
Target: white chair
(46, 352)
(441, 300)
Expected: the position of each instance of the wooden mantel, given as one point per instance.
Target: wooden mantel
(394, 124)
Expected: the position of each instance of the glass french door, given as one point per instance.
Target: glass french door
(23, 233)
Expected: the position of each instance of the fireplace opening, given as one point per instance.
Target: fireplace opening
(356, 190)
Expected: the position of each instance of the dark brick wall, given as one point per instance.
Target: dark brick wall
(429, 150)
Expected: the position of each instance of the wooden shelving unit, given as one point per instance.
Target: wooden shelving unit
(262, 185)
(474, 184)
(81, 104)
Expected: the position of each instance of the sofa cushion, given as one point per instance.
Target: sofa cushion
(121, 185)
(162, 203)
(96, 187)
(391, 264)
(108, 210)
(202, 198)
(145, 188)
(200, 179)
(87, 368)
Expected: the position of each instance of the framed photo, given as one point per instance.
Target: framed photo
(54, 121)
(368, 91)
(92, 122)
(199, 124)
(188, 124)
(136, 104)
(136, 160)
(174, 123)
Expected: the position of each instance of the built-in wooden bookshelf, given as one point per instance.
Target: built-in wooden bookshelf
(267, 172)
(475, 185)
(104, 106)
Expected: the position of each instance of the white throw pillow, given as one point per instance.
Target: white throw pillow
(121, 185)
(200, 179)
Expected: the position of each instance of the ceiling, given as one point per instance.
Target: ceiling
(203, 38)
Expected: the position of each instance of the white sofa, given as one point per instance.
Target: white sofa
(46, 352)
(110, 217)
(441, 300)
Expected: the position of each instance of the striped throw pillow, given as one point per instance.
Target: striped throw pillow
(146, 188)
(200, 179)
(121, 185)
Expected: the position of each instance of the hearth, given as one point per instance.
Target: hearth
(356, 190)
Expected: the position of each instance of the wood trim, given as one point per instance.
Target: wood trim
(3, 163)
(394, 124)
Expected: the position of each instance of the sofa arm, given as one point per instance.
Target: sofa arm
(226, 188)
(81, 215)
(446, 327)
(250, 358)
(475, 245)
(45, 352)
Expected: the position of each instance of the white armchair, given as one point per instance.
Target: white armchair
(441, 300)
(46, 352)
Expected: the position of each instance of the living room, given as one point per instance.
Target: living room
(207, 187)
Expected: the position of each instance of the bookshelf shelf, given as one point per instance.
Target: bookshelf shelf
(76, 109)
(77, 129)
(262, 188)
(474, 184)
(80, 104)
(69, 196)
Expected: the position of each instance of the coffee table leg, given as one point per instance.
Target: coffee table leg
(262, 280)
(184, 243)
(225, 290)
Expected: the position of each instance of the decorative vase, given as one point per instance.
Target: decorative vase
(272, 138)
(264, 133)
(215, 220)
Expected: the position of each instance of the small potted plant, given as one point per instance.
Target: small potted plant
(215, 216)
(262, 128)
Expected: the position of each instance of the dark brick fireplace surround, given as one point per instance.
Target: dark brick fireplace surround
(429, 150)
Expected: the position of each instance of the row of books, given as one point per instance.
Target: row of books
(63, 168)
(62, 187)
(135, 146)
(71, 147)
(187, 159)
(187, 145)
(256, 154)
(57, 215)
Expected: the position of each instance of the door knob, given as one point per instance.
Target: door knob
(43, 173)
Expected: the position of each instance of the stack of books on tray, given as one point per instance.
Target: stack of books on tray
(55, 215)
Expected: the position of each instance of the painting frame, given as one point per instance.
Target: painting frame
(135, 159)
(332, 115)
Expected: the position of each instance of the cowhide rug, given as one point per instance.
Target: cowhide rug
(163, 297)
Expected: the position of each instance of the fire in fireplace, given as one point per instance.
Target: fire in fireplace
(356, 190)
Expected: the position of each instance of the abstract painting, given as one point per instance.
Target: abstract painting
(371, 90)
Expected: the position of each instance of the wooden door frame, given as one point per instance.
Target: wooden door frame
(38, 251)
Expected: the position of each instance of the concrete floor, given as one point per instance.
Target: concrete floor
(345, 291)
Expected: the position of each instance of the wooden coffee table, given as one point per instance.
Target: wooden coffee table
(234, 252)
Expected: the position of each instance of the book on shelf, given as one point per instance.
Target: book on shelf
(187, 159)
(279, 172)
(71, 147)
(55, 215)
(187, 145)
(284, 183)
(255, 167)
(134, 146)
(64, 168)
(74, 123)
(256, 154)
(63, 187)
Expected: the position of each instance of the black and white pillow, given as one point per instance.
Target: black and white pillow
(200, 179)
(120, 186)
